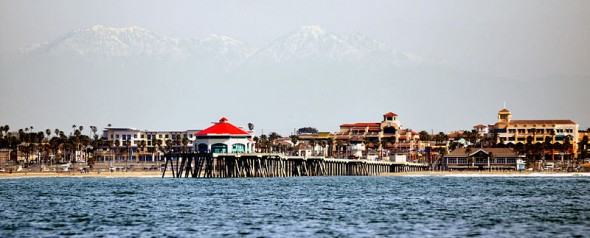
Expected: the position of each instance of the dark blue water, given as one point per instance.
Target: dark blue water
(296, 207)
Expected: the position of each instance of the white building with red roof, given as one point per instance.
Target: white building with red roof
(223, 137)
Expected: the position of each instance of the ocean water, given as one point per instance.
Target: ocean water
(296, 207)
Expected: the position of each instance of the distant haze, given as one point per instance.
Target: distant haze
(281, 65)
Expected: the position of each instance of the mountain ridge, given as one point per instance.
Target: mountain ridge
(304, 44)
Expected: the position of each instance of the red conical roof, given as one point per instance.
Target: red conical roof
(390, 114)
(222, 128)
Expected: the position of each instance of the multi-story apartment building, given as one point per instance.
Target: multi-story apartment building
(150, 137)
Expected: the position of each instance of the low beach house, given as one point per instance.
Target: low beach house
(482, 159)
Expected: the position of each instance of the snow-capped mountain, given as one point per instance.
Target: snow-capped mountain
(306, 44)
(317, 44)
(101, 41)
(219, 48)
(134, 42)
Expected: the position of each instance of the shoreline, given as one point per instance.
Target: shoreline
(487, 174)
(158, 174)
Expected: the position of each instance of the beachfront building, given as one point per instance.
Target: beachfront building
(319, 144)
(150, 137)
(482, 159)
(223, 137)
(143, 144)
(561, 135)
(377, 139)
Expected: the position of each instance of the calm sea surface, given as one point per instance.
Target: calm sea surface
(296, 207)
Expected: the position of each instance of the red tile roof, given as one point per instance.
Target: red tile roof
(504, 110)
(362, 124)
(222, 128)
(390, 114)
(548, 122)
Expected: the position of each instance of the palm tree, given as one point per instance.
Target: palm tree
(339, 145)
(158, 143)
(48, 132)
(424, 136)
(141, 146)
(169, 145)
(185, 142)
(117, 144)
(322, 144)
(94, 130)
(312, 143)
(567, 146)
(491, 156)
(294, 139)
(584, 147)
(470, 159)
(127, 145)
(547, 145)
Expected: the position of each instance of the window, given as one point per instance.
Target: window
(117, 136)
(521, 131)
(190, 136)
(462, 161)
(166, 136)
(142, 136)
(511, 130)
(202, 148)
(219, 148)
(149, 137)
(111, 136)
(238, 148)
(510, 160)
(135, 136)
(160, 136)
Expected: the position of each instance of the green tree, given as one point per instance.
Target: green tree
(185, 142)
(424, 136)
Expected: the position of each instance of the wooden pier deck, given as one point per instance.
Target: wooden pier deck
(215, 165)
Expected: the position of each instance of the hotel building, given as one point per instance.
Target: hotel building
(150, 137)
(386, 136)
(511, 131)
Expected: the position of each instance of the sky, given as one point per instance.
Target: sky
(521, 41)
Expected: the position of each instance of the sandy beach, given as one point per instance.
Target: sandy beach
(139, 174)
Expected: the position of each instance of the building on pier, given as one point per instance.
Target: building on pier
(223, 137)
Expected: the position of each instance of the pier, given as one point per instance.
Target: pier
(220, 165)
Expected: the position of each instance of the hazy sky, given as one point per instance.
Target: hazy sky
(515, 39)
(519, 40)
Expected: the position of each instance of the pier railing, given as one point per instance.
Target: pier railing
(217, 165)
